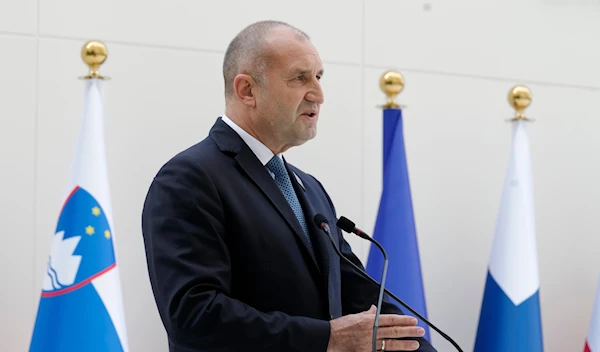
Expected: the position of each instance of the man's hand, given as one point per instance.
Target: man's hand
(353, 333)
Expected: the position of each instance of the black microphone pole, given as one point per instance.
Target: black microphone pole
(380, 299)
(347, 224)
(368, 277)
(322, 222)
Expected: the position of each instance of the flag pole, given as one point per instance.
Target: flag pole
(395, 226)
(510, 314)
(94, 53)
(391, 83)
(519, 98)
(81, 306)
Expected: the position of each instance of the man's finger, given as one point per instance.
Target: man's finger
(396, 320)
(398, 345)
(392, 332)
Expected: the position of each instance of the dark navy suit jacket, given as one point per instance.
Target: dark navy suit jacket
(228, 262)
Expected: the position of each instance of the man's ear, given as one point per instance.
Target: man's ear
(244, 86)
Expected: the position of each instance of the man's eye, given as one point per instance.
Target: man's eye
(299, 78)
(318, 78)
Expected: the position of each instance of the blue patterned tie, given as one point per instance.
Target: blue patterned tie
(282, 179)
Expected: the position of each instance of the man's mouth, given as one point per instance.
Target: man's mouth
(310, 114)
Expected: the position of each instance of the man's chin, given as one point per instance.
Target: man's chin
(305, 138)
(311, 133)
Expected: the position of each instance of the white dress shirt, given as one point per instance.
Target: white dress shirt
(261, 151)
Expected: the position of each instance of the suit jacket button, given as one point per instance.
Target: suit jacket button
(331, 316)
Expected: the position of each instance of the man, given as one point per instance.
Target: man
(235, 260)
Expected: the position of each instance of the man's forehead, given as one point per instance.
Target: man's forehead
(294, 54)
(305, 64)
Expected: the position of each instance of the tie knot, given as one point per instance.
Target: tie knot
(275, 165)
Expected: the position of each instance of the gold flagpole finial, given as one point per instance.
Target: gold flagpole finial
(391, 83)
(94, 53)
(519, 98)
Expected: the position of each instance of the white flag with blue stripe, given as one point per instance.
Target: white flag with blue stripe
(81, 308)
(510, 317)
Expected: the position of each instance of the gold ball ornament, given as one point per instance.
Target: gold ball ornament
(94, 54)
(391, 83)
(519, 98)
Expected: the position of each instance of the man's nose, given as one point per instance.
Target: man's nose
(315, 95)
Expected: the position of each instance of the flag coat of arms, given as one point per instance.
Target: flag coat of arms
(80, 307)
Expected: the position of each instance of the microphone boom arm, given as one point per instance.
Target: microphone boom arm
(367, 276)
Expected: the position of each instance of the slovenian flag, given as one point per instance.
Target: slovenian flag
(81, 307)
(510, 317)
(592, 343)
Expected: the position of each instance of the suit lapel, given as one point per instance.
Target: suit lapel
(228, 141)
(320, 242)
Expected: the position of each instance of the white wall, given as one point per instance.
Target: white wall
(459, 58)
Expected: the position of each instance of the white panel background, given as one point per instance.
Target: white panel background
(17, 170)
(19, 17)
(459, 58)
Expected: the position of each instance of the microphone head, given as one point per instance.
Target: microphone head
(320, 219)
(346, 225)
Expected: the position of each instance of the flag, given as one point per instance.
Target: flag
(592, 343)
(510, 317)
(81, 307)
(395, 225)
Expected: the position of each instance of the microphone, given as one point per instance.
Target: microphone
(349, 226)
(323, 224)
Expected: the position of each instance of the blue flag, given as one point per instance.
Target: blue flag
(395, 226)
(510, 317)
(81, 308)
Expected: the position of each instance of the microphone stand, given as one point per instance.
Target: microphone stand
(368, 277)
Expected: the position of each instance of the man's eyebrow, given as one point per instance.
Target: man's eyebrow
(301, 71)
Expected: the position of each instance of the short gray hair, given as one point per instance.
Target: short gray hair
(247, 52)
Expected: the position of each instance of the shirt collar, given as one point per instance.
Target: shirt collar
(261, 151)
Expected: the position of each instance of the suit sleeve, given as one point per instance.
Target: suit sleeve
(190, 272)
(358, 293)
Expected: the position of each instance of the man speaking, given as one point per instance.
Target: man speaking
(235, 260)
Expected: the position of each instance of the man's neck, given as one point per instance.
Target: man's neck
(244, 124)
